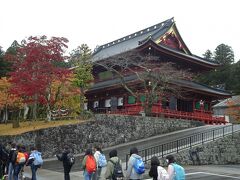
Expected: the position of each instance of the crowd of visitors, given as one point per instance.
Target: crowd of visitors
(15, 157)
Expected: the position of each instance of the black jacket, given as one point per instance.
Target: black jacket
(63, 157)
(12, 155)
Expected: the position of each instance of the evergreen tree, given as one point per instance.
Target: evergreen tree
(224, 54)
(80, 59)
(226, 74)
(5, 66)
(80, 55)
(2, 64)
(208, 55)
(234, 83)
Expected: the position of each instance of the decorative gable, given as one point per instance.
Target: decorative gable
(172, 40)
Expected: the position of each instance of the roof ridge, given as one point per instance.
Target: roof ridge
(135, 34)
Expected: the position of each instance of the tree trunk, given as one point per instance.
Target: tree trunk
(82, 98)
(34, 111)
(25, 113)
(5, 115)
(148, 106)
(34, 108)
(49, 113)
(15, 123)
(148, 109)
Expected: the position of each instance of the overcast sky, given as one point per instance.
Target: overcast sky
(203, 24)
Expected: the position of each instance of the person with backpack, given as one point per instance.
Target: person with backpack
(114, 169)
(11, 161)
(175, 171)
(101, 162)
(35, 161)
(135, 165)
(68, 160)
(89, 165)
(25, 158)
(157, 172)
(19, 163)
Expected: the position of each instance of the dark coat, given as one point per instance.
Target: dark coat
(63, 157)
(12, 155)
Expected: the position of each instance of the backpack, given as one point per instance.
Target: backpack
(90, 164)
(37, 158)
(179, 172)
(21, 159)
(162, 173)
(70, 159)
(102, 162)
(117, 170)
(139, 166)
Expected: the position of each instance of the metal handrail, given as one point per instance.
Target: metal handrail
(185, 142)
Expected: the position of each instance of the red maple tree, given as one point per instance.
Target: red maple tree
(36, 67)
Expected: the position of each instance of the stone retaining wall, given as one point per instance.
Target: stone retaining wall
(107, 130)
(221, 151)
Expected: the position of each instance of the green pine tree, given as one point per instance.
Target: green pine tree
(224, 54)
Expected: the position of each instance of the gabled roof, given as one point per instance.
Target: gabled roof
(131, 41)
(139, 38)
(233, 101)
(179, 54)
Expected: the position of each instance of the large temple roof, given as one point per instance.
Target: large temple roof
(131, 41)
(193, 86)
(179, 54)
(141, 38)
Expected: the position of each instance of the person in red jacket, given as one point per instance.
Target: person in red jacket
(89, 165)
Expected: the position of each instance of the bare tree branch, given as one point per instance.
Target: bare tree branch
(152, 76)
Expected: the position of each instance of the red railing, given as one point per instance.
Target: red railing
(204, 116)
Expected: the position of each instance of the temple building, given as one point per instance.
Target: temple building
(107, 95)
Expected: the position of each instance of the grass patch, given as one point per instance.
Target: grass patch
(6, 129)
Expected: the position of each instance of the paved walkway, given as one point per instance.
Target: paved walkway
(211, 172)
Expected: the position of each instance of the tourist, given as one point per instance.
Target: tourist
(66, 164)
(19, 162)
(98, 153)
(8, 149)
(157, 172)
(11, 161)
(26, 154)
(3, 160)
(114, 166)
(135, 165)
(35, 161)
(175, 171)
(89, 165)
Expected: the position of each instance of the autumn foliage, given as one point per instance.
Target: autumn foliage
(69, 97)
(35, 68)
(7, 99)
